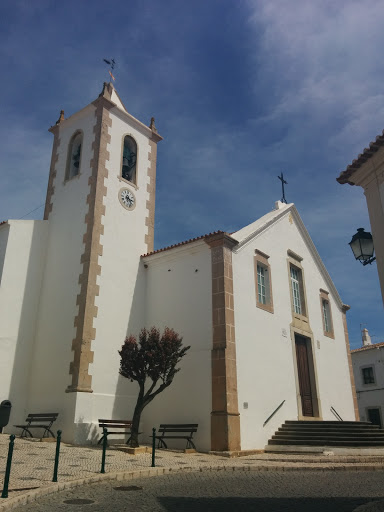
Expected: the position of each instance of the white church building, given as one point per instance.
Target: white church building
(368, 371)
(266, 325)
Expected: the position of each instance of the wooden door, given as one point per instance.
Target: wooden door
(304, 377)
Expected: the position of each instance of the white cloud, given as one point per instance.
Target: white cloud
(325, 57)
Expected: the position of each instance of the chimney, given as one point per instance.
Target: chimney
(366, 338)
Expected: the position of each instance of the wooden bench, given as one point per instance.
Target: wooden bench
(177, 431)
(115, 424)
(45, 421)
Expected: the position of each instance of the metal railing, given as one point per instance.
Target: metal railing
(5, 490)
(335, 413)
(274, 412)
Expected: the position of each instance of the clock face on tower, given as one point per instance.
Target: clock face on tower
(127, 198)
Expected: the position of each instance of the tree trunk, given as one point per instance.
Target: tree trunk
(142, 401)
(134, 442)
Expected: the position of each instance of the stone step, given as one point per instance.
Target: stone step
(326, 442)
(341, 425)
(327, 433)
(293, 433)
(326, 438)
(330, 429)
(326, 422)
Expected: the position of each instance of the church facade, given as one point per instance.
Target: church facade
(265, 323)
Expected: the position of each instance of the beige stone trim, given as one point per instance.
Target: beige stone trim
(85, 332)
(324, 296)
(262, 256)
(262, 259)
(151, 189)
(225, 417)
(52, 171)
(312, 366)
(69, 152)
(107, 91)
(348, 347)
(135, 183)
(300, 322)
(77, 177)
(129, 183)
(294, 256)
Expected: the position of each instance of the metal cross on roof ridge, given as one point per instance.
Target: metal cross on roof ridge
(283, 182)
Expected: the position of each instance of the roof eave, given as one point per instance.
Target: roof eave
(209, 238)
(362, 158)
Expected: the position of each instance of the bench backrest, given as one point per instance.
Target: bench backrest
(115, 423)
(180, 428)
(42, 417)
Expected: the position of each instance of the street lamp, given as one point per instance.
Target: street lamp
(362, 246)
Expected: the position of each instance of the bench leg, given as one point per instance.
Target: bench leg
(101, 439)
(161, 443)
(190, 444)
(24, 433)
(50, 431)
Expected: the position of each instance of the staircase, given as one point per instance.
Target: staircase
(357, 434)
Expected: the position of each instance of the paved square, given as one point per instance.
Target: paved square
(225, 491)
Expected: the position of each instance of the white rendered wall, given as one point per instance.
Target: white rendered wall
(52, 356)
(370, 176)
(369, 395)
(374, 194)
(121, 306)
(24, 260)
(179, 295)
(4, 232)
(377, 223)
(265, 364)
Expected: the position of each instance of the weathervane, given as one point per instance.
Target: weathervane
(112, 64)
(283, 182)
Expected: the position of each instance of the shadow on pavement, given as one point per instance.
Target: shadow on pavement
(177, 504)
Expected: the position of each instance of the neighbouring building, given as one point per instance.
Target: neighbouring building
(266, 325)
(368, 368)
(367, 171)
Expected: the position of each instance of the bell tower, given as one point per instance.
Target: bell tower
(100, 208)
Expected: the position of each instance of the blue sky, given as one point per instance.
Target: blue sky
(241, 90)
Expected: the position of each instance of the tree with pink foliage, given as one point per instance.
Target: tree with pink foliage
(154, 356)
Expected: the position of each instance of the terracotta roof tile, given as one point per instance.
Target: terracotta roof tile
(368, 347)
(374, 146)
(183, 243)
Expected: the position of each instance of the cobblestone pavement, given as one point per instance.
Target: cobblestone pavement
(33, 462)
(227, 491)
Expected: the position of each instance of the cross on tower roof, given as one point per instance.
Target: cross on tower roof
(112, 64)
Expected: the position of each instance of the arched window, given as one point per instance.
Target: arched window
(74, 155)
(128, 165)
